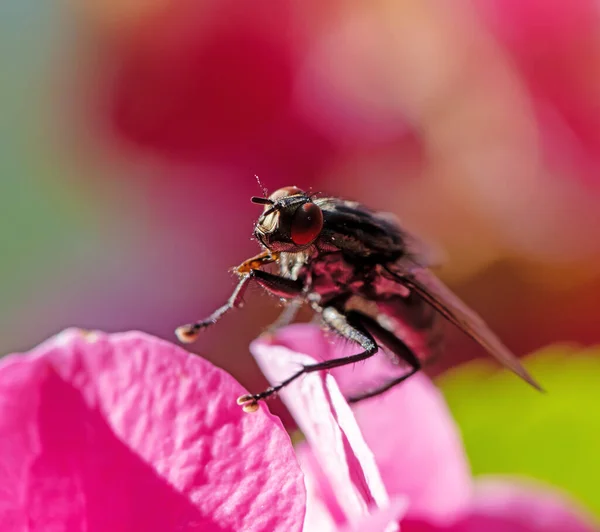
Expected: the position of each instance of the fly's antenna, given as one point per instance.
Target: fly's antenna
(261, 201)
(263, 188)
(312, 194)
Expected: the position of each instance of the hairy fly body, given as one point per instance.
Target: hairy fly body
(366, 277)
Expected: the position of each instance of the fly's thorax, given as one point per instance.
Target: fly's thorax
(331, 275)
(358, 231)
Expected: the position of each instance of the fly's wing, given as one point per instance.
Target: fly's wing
(424, 253)
(436, 293)
(360, 232)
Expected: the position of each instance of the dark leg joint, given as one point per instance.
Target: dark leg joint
(393, 345)
(277, 285)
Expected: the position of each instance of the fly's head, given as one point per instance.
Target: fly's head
(290, 222)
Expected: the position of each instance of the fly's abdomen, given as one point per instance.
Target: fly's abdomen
(415, 322)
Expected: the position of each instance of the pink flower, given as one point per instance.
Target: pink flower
(126, 432)
(397, 457)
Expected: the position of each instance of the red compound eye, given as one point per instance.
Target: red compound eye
(306, 224)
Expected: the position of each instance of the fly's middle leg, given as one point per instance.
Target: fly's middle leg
(286, 317)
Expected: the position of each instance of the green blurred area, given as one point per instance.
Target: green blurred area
(64, 228)
(509, 428)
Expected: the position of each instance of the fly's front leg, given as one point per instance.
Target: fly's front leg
(189, 333)
(275, 284)
(346, 326)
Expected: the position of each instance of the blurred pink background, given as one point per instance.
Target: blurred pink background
(132, 131)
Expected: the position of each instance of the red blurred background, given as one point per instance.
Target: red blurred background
(133, 130)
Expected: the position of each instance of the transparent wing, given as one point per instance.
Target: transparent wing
(424, 253)
(426, 284)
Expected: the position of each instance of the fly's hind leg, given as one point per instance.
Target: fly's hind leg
(384, 387)
(346, 325)
(397, 347)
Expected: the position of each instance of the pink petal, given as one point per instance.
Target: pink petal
(409, 428)
(503, 506)
(423, 457)
(329, 427)
(319, 497)
(126, 432)
(380, 519)
(321, 501)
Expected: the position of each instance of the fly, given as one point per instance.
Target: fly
(365, 276)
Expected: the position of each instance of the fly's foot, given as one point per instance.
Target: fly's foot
(249, 402)
(189, 333)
